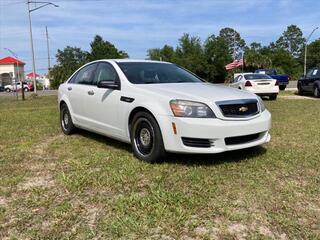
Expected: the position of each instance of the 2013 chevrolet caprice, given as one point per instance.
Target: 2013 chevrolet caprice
(160, 107)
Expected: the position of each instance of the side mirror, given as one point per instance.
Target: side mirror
(108, 84)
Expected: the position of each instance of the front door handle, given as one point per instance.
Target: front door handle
(69, 88)
(91, 92)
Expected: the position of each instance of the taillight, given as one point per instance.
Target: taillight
(277, 83)
(248, 84)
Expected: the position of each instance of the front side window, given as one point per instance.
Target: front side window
(85, 75)
(105, 72)
(152, 73)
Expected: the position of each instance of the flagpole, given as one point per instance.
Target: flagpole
(242, 60)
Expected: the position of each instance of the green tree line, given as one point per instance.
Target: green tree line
(205, 58)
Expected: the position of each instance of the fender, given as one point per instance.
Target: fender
(65, 99)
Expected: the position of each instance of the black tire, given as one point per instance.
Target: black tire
(146, 138)
(26, 89)
(273, 97)
(7, 90)
(66, 120)
(282, 87)
(316, 91)
(300, 91)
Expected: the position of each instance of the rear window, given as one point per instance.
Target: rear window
(256, 76)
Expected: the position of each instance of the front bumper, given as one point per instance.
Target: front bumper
(216, 130)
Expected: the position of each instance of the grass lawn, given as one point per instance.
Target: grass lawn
(87, 186)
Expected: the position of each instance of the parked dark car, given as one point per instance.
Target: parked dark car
(283, 79)
(310, 83)
(1, 89)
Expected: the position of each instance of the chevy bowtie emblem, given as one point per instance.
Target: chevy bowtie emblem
(243, 109)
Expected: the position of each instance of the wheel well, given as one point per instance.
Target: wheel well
(61, 103)
(135, 111)
(316, 84)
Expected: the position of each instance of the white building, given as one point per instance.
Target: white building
(40, 79)
(11, 70)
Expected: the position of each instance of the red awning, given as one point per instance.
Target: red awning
(10, 60)
(30, 75)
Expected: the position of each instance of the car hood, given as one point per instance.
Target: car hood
(197, 91)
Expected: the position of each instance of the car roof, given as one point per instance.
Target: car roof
(126, 60)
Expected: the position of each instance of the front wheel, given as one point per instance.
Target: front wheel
(282, 87)
(26, 89)
(66, 120)
(8, 90)
(300, 91)
(146, 138)
(316, 91)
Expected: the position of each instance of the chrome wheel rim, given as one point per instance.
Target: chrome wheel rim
(65, 120)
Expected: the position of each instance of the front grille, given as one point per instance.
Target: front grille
(197, 142)
(239, 108)
(241, 139)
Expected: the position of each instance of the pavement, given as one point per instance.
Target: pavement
(292, 85)
(40, 93)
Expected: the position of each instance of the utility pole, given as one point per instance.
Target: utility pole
(32, 51)
(48, 49)
(305, 51)
(31, 38)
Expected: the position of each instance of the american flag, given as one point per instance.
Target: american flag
(237, 62)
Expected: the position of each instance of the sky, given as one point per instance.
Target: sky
(137, 25)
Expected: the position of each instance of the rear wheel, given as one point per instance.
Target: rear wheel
(300, 90)
(8, 90)
(146, 138)
(273, 97)
(316, 91)
(282, 87)
(66, 120)
(26, 89)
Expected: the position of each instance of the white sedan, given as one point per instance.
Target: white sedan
(260, 84)
(159, 107)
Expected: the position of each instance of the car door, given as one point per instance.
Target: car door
(101, 104)
(310, 77)
(77, 90)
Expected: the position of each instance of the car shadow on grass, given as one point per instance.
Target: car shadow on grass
(215, 159)
(184, 159)
(105, 140)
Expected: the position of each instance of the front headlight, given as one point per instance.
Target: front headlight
(183, 108)
(262, 106)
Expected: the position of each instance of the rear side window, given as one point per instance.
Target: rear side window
(85, 75)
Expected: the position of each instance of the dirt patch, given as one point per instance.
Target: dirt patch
(238, 230)
(3, 202)
(40, 150)
(45, 181)
(266, 232)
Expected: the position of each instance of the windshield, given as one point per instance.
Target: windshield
(256, 76)
(149, 72)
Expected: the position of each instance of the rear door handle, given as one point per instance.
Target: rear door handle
(91, 92)
(69, 88)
